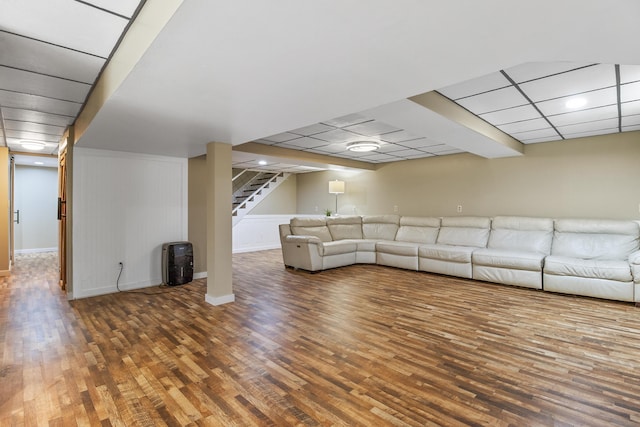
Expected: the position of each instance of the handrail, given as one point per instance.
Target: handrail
(243, 204)
(243, 171)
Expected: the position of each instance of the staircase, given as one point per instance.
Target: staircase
(253, 191)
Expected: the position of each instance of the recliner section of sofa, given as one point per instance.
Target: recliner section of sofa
(515, 251)
(597, 258)
(592, 258)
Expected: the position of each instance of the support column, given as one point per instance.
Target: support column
(219, 225)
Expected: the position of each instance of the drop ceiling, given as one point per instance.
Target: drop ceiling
(219, 71)
(51, 53)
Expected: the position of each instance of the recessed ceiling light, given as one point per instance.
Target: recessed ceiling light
(574, 103)
(262, 162)
(33, 145)
(38, 163)
(363, 146)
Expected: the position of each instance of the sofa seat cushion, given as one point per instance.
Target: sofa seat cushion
(363, 245)
(446, 252)
(589, 268)
(337, 248)
(516, 260)
(398, 248)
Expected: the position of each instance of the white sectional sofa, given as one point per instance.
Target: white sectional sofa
(592, 257)
(597, 258)
(515, 251)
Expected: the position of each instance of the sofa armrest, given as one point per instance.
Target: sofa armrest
(302, 239)
(634, 258)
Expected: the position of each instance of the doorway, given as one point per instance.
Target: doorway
(35, 192)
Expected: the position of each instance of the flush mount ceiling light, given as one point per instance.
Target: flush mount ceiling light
(363, 146)
(33, 145)
(262, 162)
(574, 103)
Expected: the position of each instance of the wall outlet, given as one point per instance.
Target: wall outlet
(316, 209)
(459, 208)
(395, 208)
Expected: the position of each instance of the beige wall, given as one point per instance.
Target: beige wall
(280, 201)
(596, 177)
(198, 211)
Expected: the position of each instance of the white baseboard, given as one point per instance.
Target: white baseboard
(35, 250)
(225, 299)
(201, 275)
(257, 248)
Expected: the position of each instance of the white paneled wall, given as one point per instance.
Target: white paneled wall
(124, 207)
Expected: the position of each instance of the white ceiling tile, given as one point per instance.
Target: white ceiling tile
(330, 148)
(631, 120)
(32, 136)
(629, 73)
(420, 143)
(35, 117)
(630, 108)
(408, 153)
(348, 120)
(37, 84)
(70, 24)
(534, 134)
(524, 126)
(338, 135)
(121, 7)
(597, 98)
(591, 133)
(281, 137)
(312, 129)
(493, 101)
(399, 136)
(601, 113)
(372, 128)
(517, 114)
(379, 157)
(589, 127)
(570, 83)
(537, 140)
(438, 149)
(38, 103)
(534, 70)
(306, 142)
(630, 92)
(390, 148)
(34, 127)
(475, 86)
(39, 57)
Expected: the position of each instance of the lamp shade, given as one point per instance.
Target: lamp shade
(336, 187)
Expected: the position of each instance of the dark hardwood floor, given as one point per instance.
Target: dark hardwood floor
(360, 345)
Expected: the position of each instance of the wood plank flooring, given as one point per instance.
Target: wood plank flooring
(360, 345)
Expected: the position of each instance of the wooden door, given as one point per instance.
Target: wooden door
(62, 218)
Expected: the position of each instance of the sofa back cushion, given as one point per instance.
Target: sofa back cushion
(595, 238)
(464, 231)
(345, 227)
(380, 227)
(418, 229)
(518, 233)
(311, 227)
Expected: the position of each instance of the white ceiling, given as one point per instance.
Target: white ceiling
(301, 74)
(51, 52)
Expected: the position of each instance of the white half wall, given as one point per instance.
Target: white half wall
(125, 207)
(36, 197)
(260, 232)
